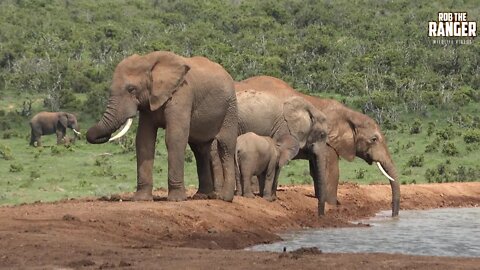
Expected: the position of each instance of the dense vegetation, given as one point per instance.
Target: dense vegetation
(374, 56)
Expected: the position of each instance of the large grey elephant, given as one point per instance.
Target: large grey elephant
(46, 123)
(267, 114)
(350, 134)
(193, 99)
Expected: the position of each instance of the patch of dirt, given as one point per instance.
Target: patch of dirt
(200, 234)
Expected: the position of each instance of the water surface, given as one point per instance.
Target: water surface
(437, 232)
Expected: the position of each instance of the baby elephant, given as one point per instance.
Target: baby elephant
(45, 123)
(262, 157)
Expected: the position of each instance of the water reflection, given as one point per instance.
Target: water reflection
(438, 232)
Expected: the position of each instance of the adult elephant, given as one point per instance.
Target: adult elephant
(268, 114)
(46, 123)
(192, 98)
(350, 134)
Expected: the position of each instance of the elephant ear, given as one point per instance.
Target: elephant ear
(168, 74)
(63, 120)
(298, 118)
(341, 138)
(288, 147)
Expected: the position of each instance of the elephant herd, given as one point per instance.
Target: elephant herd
(236, 130)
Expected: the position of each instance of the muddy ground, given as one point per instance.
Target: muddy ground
(115, 233)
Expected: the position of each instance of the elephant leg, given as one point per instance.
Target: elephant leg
(145, 150)
(275, 183)
(227, 140)
(269, 183)
(176, 138)
(313, 168)
(60, 136)
(34, 138)
(217, 169)
(246, 181)
(204, 170)
(333, 176)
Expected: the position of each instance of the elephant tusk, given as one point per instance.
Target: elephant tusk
(384, 172)
(76, 132)
(123, 131)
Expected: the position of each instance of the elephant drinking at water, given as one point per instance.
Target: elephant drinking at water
(193, 99)
(350, 134)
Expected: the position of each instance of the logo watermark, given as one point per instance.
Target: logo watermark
(452, 28)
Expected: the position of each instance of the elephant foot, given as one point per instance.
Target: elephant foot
(238, 193)
(270, 198)
(142, 196)
(177, 195)
(248, 195)
(204, 196)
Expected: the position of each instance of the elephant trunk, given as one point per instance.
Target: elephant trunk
(320, 179)
(395, 185)
(102, 131)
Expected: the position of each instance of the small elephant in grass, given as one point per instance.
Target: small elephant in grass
(45, 123)
(263, 157)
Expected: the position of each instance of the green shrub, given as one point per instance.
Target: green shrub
(16, 167)
(415, 161)
(430, 128)
(34, 175)
(446, 133)
(450, 149)
(416, 127)
(5, 152)
(360, 173)
(472, 136)
(433, 147)
(189, 155)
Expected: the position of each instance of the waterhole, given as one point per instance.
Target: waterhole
(437, 232)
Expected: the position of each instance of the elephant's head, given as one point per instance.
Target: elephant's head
(68, 120)
(288, 148)
(309, 126)
(139, 83)
(359, 135)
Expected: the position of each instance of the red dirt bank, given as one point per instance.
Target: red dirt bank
(96, 234)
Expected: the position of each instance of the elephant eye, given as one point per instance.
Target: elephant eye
(374, 139)
(130, 88)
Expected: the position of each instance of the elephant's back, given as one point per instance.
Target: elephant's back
(259, 113)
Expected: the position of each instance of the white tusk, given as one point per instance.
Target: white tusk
(384, 172)
(123, 131)
(76, 132)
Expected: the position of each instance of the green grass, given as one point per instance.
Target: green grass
(51, 172)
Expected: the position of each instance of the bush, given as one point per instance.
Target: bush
(360, 173)
(189, 155)
(433, 147)
(450, 149)
(446, 133)
(430, 128)
(472, 136)
(416, 127)
(16, 167)
(5, 152)
(415, 161)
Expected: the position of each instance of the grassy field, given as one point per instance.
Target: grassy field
(54, 172)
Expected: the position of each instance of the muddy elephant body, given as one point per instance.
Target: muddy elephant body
(193, 99)
(350, 134)
(263, 157)
(46, 123)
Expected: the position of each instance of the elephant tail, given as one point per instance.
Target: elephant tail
(237, 172)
